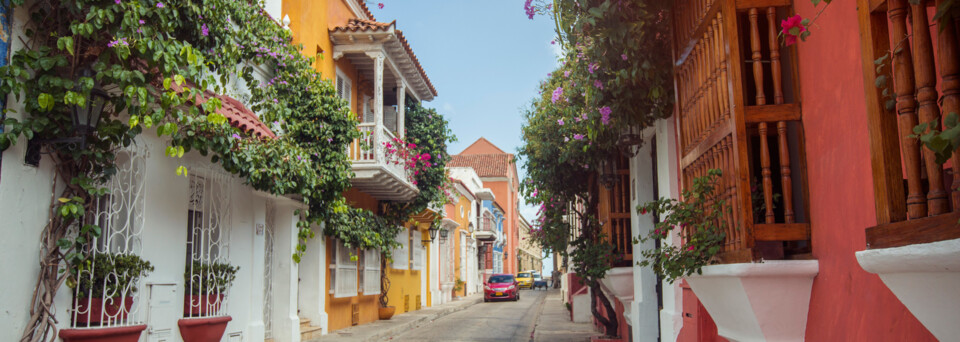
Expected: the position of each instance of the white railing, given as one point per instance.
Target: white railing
(106, 285)
(371, 148)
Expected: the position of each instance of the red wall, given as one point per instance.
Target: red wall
(847, 303)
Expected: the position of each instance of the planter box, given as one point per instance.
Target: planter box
(201, 305)
(765, 301)
(203, 329)
(387, 312)
(116, 334)
(90, 311)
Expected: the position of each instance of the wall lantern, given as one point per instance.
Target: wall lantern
(444, 233)
(84, 117)
(433, 232)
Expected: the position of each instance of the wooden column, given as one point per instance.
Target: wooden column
(929, 112)
(906, 108)
(948, 50)
(775, 73)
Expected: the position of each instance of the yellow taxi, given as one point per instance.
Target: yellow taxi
(525, 279)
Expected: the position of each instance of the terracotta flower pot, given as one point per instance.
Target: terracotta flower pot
(117, 334)
(203, 329)
(387, 312)
(201, 305)
(91, 310)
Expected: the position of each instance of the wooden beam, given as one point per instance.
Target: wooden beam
(924, 230)
(722, 131)
(736, 257)
(747, 4)
(782, 232)
(772, 113)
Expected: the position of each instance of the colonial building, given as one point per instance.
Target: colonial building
(530, 257)
(498, 171)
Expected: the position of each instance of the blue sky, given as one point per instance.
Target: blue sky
(485, 58)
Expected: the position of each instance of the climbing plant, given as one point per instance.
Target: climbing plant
(614, 79)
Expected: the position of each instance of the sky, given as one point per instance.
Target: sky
(485, 58)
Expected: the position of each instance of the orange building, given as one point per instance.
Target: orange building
(374, 68)
(498, 171)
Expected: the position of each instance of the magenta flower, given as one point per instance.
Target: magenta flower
(528, 7)
(787, 29)
(566, 139)
(557, 93)
(598, 84)
(623, 56)
(159, 5)
(142, 22)
(566, 73)
(204, 30)
(578, 136)
(329, 140)
(116, 2)
(690, 248)
(552, 42)
(593, 67)
(605, 115)
(380, 5)
(560, 122)
(236, 136)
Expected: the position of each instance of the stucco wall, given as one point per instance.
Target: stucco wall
(847, 303)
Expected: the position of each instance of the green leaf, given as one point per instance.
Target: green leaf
(45, 101)
(65, 43)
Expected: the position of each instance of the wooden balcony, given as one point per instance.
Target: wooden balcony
(738, 111)
(918, 200)
(375, 171)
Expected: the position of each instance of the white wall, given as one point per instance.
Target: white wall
(644, 306)
(668, 186)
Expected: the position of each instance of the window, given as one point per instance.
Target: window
(343, 272)
(463, 255)
(368, 109)
(371, 272)
(461, 212)
(401, 254)
(344, 87)
(207, 257)
(417, 247)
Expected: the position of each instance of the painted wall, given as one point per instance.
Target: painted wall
(453, 211)
(847, 303)
(506, 191)
(404, 284)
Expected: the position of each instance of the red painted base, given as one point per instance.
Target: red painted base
(203, 329)
(117, 334)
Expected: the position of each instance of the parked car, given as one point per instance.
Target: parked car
(539, 282)
(501, 286)
(525, 279)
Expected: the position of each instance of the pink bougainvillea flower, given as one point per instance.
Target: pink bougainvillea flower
(623, 56)
(116, 2)
(566, 73)
(788, 25)
(578, 136)
(560, 122)
(204, 30)
(142, 22)
(380, 5)
(565, 139)
(593, 67)
(552, 42)
(530, 9)
(557, 93)
(598, 84)
(159, 5)
(605, 114)
(690, 248)
(643, 211)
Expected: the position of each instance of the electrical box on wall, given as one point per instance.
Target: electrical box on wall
(162, 311)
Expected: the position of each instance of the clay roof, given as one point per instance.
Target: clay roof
(479, 144)
(486, 165)
(370, 26)
(240, 117)
(366, 10)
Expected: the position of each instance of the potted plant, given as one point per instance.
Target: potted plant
(384, 311)
(206, 284)
(458, 286)
(105, 285)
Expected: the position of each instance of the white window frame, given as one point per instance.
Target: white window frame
(370, 283)
(341, 268)
(401, 254)
(418, 255)
(344, 86)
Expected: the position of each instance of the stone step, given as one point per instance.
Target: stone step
(309, 333)
(304, 323)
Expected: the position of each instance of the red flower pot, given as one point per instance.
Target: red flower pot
(201, 305)
(118, 334)
(91, 310)
(203, 329)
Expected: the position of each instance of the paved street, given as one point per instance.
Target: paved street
(503, 321)
(492, 321)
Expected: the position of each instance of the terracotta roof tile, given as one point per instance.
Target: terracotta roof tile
(486, 165)
(363, 25)
(240, 117)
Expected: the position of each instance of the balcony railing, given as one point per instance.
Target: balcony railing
(378, 172)
(737, 100)
(918, 200)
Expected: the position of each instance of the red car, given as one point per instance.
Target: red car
(501, 286)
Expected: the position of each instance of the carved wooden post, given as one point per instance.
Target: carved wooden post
(906, 108)
(949, 52)
(926, 76)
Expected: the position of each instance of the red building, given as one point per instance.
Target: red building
(846, 230)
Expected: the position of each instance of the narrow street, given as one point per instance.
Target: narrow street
(491, 321)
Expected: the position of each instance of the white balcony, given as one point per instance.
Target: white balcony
(375, 172)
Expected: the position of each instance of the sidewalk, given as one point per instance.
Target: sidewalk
(386, 329)
(554, 324)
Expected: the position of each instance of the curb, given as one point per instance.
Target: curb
(392, 332)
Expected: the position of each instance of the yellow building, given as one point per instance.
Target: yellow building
(374, 68)
(529, 255)
(459, 243)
